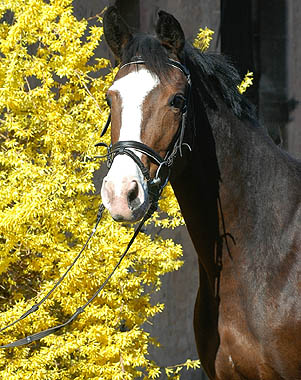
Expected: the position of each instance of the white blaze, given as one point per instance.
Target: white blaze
(133, 89)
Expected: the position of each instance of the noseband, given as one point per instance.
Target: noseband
(155, 185)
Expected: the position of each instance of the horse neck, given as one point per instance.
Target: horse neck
(219, 182)
(195, 180)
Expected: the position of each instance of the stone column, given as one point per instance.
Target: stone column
(294, 78)
(273, 94)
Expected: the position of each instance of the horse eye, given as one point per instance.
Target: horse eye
(177, 101)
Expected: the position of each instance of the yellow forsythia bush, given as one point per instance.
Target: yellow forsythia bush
(52, 111)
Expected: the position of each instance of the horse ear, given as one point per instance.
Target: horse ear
(169, 32)
(116, 31)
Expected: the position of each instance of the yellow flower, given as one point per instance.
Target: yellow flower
(203, 39)
(246, 82)
(52, 110)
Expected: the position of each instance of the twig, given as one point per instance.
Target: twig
(89, 93)
(97, 15)
(122, 363)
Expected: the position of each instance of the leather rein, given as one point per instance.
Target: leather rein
(155, 186)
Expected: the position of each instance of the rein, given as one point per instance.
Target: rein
(42, 334)
(155, 188)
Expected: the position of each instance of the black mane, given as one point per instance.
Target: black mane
(213, 76)
(151, 51)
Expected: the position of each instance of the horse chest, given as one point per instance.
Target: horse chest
(248, 349)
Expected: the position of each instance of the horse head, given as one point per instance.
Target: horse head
(147, 101)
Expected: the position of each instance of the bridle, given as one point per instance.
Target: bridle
(155, 186)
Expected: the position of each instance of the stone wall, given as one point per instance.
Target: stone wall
(294, 78)
(191, 14)
(263, 38)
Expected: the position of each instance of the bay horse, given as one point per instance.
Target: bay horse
(175, 108)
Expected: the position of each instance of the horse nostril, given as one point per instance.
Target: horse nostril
(133, 200)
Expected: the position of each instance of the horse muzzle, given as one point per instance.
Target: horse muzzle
(125, 196)
(128, 191)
